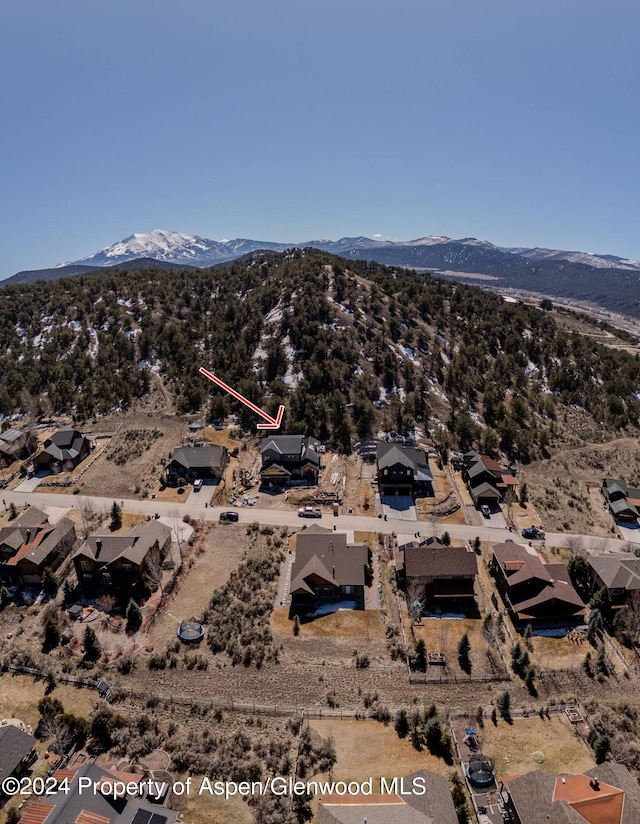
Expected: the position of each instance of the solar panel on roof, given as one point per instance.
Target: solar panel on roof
(142, 817)
(156, 818)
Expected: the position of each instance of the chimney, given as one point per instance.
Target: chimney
(333, 571)
(28, 536)
(594, 783)
(564, 780)
(98, 546)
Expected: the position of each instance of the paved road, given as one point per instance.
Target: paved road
(278, 518)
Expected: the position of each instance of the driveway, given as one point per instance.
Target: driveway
(29, 484)
(399, 507)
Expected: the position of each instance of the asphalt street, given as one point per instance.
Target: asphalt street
(271, 517)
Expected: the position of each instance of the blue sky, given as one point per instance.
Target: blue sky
(289, 120)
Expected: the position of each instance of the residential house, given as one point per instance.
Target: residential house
(623, 501)
(403, 470)
(442, 577)
(29, 544)
(487, 480)
(17, 751)
(327, 568)
(15, 445)
(126, 563)
(97, 802)
(535, 590)
(289, 460)
(620, 574)
(420, 798)
(607, 794)
(63, 451)
(207, 461)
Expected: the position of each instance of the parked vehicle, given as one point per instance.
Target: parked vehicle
(485, 511)
(228, 517)
(532, 533)
(309, 512)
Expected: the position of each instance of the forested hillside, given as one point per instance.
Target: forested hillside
(349, 347)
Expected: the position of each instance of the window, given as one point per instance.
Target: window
(127, 567)
(348, 590)
(85, 565)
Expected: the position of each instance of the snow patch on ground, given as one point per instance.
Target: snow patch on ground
(334, 606)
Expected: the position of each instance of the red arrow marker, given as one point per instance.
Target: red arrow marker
(273, 423)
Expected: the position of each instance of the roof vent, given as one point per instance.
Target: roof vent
(28, 536)
(564, 780)
(594, 783)
(98, 546)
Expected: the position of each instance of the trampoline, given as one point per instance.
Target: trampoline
(190, 632)
(481, 773)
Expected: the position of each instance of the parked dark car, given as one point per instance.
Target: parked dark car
(228, 517)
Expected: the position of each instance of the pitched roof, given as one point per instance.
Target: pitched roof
(283, 444)
(389, 454)
(46, 542)
(14, 746)
(36, 813)
(617, 571)
(433, 806)
(437, 561)
(328, 555)
(520, 566)
(65, 444)
(606, 794)
(132, 546)
(200, 457)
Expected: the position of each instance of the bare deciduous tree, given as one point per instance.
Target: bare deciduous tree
(415, 598)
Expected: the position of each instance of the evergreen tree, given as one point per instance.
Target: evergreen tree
(50, 583)
(92, 648)
(134, 616)
(51, 635)
(464, 648)
(402, 724)
(116, 517)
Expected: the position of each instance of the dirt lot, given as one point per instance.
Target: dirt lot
(511, 746)
(443, 494)
(561, 487)
(369, 748)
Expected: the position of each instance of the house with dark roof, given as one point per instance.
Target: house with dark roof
(620, 574)
(126, 563)
(30, 544)
(289, 460)
(486, 479)
(443, 577)
(327, 568)
(206, 461)
(403, 470)
(535, 589)
(421, 798)
(623, 501)
(607, 794)
(16, 445)
(17, 751)
(94, 801)
(63, 451)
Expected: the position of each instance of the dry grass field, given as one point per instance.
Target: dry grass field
(558, 653)
(511, 746)
(371, 749)
(206, 809)
(444, 634)
(346, 623)
(19, 696)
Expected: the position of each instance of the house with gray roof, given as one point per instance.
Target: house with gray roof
(63, 451)
(606, 794)
(15, 445)
(95, 802)
(421, 798)
(327, 568)
(486, 479)
(289, 460)
(403, 470)
(125, 564)
(17, 751)
(206, 461)
(620, 574)
(30, 544)
(623, 501)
